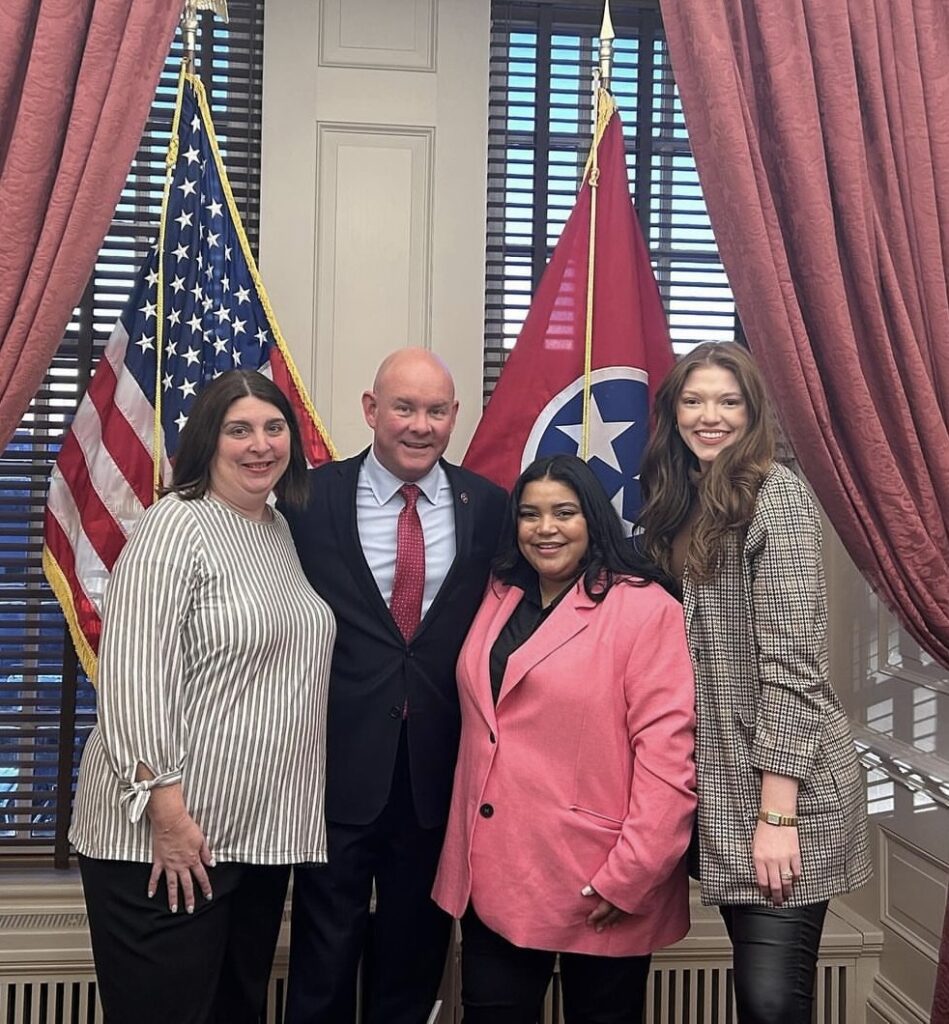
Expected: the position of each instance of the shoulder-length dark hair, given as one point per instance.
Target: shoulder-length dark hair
(191, 476)
(726, 492)
(609, 556)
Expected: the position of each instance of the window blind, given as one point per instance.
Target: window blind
(540, 129)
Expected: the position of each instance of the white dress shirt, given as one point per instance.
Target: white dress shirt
(378, 504)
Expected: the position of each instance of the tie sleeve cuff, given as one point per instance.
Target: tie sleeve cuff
(137, 794)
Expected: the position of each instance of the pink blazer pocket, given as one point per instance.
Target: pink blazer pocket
(598, 817)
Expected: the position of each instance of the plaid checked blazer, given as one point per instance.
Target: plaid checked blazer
(758, 638)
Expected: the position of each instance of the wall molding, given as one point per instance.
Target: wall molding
(892, 1006)
(373, 266)
(418, 18)
(891, 846)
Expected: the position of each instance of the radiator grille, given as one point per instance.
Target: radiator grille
(676, 994)
(704, 994)
(49, 1001)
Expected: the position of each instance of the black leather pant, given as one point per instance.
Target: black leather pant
(775, 960)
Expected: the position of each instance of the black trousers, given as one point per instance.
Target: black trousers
(209, 967)
(404, 944)
(505, 984)
(775, 961)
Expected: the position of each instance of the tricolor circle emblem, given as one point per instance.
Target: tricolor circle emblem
(619, 421)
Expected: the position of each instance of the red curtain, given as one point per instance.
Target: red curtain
(77, 78)
(822, 144)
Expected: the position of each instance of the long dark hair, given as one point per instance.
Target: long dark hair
(726, 492)
(191, 476)
(610, 555)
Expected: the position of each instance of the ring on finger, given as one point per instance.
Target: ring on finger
(787, 876)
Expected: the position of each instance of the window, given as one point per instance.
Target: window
(47, 706)
(540, 128)
(898, 697)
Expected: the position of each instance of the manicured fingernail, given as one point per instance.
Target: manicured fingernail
(209, 895)
(151, 893)
(213, 863)
(174, 908)
(191, 909)
(587, 890)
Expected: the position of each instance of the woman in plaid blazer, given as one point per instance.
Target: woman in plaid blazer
(781, 819)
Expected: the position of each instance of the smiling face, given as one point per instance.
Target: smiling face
(552, 534)
(253, 451)
(711, 412)
(411, 410)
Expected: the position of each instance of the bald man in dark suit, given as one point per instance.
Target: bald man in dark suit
(393, 721)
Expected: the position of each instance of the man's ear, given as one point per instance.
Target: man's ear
(369, 408)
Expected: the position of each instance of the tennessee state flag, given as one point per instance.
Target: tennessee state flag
(537, 407)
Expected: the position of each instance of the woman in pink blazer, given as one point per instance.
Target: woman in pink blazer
(574, 791)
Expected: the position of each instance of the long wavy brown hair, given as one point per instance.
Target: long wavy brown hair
(726, 492)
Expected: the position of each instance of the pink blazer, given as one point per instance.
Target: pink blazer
(582, 774)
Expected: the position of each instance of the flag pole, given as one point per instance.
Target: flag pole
(189, 35)
(602, 76)
(171, 158)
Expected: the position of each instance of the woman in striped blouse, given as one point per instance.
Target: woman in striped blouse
(203, 781)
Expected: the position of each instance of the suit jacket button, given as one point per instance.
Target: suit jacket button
(486, 810)
(395, 712)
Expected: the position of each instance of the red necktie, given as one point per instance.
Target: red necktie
(408, 585)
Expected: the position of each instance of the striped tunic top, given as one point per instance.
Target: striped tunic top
(213, 670)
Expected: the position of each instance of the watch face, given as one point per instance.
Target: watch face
(773, 818)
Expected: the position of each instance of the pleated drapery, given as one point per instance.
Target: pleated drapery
(77, 79)
(822, 145)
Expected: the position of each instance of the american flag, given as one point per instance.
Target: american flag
(205, 308)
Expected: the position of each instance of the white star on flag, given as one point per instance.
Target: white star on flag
(602, 435)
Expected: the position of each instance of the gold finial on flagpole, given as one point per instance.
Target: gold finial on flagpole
(603, 71)
(607, 35)
(189, 23)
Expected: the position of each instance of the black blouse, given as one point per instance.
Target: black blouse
(525, 620)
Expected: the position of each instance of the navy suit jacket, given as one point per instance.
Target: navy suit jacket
(374, 669)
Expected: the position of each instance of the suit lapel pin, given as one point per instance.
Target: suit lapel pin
(464, 497)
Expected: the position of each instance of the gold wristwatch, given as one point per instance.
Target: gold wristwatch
(773, 818)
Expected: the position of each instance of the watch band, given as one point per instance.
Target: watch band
(773, 818)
